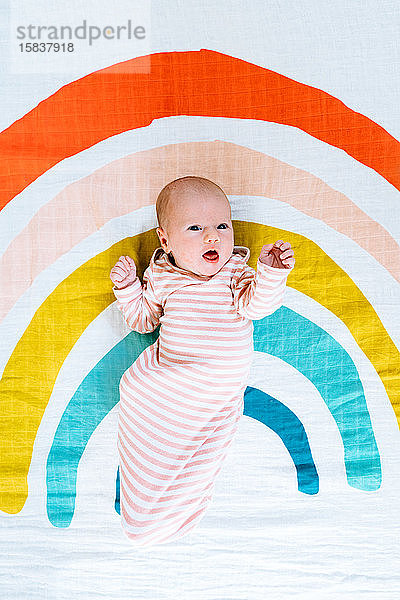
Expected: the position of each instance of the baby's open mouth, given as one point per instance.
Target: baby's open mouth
(211, 256)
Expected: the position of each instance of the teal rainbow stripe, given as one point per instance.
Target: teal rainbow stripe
(286, 335)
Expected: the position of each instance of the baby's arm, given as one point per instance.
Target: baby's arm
(259, 294)
(139, 305)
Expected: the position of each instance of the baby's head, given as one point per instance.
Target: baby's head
(194, 217)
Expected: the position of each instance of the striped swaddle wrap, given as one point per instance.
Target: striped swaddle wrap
(181, 400)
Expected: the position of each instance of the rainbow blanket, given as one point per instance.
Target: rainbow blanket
(306, 503)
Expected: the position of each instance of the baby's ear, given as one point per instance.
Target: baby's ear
(163, 238)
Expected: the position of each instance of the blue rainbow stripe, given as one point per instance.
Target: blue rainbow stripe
(286, 335)
(319, 357)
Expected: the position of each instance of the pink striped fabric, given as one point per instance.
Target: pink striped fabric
(182, 399)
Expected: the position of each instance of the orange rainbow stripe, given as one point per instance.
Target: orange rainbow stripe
(204, 82)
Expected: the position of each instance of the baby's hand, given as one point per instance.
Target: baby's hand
(123, 272)
(278, 255)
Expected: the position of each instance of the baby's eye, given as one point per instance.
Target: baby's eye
(193, 227)
(223, 225)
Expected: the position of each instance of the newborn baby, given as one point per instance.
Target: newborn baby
(182, 399)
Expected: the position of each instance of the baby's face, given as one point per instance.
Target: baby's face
(199, 232)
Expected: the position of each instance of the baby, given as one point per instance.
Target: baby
(182, 399)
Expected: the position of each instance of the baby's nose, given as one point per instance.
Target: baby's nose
(211, 235)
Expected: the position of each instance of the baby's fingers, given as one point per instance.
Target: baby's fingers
(266, 248)
(120, 270)
(124, 261)
(287, 253)
(117, 274)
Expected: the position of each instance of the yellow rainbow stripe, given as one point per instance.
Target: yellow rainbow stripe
(32, 369)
